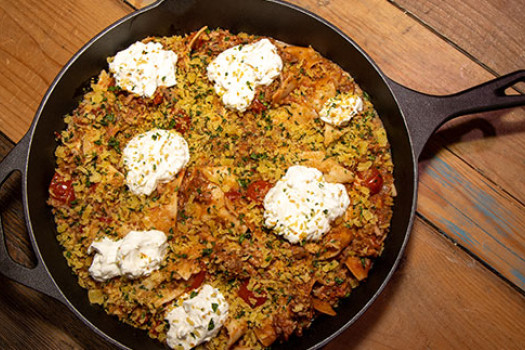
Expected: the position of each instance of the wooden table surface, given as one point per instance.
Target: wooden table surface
(462, 280)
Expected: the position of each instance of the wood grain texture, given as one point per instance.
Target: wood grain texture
(483, 218)
(493, 32)
(413, 55)
(31, 320)
(38, 38)
(138, 4)
(492, 143)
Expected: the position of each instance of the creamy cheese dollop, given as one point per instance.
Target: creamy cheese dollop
(339, 110)
(137, 254)
(105, 265)
(141, 252)
(141, 68)
(197, 319)
(302, 204)
(238, 71)
(154, 157)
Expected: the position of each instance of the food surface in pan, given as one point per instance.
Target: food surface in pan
(221, 190)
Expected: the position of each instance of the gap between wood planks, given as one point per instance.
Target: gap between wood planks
(443, 37)
(496, 185)
(454, 242)
(491, 31)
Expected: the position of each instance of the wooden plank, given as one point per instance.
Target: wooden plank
(138, 4)
(492, 31)
(493, 143)
(411, 54)
(440, 298)
(30, 320)
(38, 38)
(481, 217)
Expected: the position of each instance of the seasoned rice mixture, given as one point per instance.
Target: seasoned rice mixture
(212, 211)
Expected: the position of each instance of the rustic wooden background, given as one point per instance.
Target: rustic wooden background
(462, 280)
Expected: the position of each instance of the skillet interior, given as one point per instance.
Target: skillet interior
(280, 21)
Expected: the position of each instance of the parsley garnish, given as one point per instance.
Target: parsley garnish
(113, 142)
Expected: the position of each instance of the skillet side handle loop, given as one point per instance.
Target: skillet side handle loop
(36, 278)
(425, 113)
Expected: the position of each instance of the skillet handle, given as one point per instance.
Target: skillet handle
(425, 113)
(36, 278)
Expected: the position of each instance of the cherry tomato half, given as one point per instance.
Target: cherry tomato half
(183, 122)
(373, 180)
(257, 190)
(233, 195)
(62, 190)
(197, 281)
(249, 297)
(257, 106)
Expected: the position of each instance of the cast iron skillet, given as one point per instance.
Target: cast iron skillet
(408, 116)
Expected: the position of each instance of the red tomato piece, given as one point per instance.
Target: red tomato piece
(257, 190)
(105, 219)
(196, 281)
(183, 122)
(157, 99)
(373, 180)
(257, 106)
(233, 195)
(62, 190)
(93, 186)
(249, 297)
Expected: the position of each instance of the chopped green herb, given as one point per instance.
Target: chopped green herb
(115, 144)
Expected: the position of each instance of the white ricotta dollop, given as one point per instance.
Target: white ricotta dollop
(105, 264)
(141, 68)
(141, 252)
(238, 71)
(154, 157)
(339, 110)
(302, 204)
(198, 318)
(136, 255)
